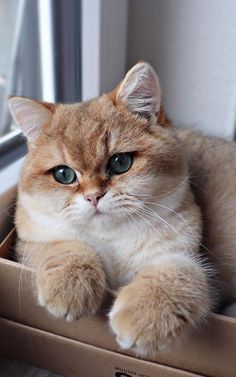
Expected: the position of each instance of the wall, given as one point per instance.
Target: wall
(104, 33)
(192, 45)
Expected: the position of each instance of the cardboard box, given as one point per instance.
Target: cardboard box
(86, 347)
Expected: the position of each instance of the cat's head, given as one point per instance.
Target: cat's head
(103, 159)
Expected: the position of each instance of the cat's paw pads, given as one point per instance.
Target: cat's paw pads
(69, 288)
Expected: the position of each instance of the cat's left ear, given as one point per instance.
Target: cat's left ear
(140, 90)
(30, 115)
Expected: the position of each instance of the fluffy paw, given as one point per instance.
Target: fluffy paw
(147, 318)
(71, 284)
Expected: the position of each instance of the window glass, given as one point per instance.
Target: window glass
(39, 58)
(8, 11)
(20, 72)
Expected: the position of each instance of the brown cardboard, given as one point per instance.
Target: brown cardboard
(209, 351)
(73, 358)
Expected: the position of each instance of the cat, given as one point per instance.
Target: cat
(104, 202)
(212, 163)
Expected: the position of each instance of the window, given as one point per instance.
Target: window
(39, 58)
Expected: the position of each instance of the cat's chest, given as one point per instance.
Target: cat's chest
(122, 252)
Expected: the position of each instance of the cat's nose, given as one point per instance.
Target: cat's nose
(94, 198)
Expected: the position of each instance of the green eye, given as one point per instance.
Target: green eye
(119, 163)
(63, 174)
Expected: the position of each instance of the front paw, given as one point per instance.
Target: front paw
(146, 319)
(71, 284)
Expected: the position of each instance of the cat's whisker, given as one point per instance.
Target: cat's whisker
(131, 216)
(141, 195)
(199, 187)
(153, 215)
(150, 224)
(198, 241)
(9, 210)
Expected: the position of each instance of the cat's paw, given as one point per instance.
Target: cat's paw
(71, 285)
(146, 319)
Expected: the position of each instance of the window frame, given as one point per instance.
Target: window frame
(66, 61)
(12, 147)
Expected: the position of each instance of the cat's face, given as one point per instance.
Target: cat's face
(102, 160)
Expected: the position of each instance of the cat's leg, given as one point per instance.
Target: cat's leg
(70, 279)
(161, 302)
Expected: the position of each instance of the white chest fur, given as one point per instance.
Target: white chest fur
(121, 250)
(125, 248)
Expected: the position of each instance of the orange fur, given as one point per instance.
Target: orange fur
(144, 236)
(212, 163)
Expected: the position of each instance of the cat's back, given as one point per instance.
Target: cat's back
(212, 164)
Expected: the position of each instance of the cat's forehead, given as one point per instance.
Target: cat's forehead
(93, 130)
(84, 114)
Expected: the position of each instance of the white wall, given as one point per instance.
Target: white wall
(192, 45)
(104, 33)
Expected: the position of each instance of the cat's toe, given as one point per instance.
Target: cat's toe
(56, 311)
(123, 326)
(70, 317)
(69, 292)
(56, 305)
(130, 335)
(143, 326)
(125, 342)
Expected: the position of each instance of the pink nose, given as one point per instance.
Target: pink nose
(94, 198)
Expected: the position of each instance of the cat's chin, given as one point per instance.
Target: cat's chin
(98, 212)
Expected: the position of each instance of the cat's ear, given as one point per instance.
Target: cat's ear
(140, 90)
(30, 115)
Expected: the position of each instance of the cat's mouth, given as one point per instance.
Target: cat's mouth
(97, 212)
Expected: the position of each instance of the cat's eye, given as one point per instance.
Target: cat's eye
(119, 163)
(63, 174)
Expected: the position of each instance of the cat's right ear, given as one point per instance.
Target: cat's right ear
(140, 90)
(30, 115)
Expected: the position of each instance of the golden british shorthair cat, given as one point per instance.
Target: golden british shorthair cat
(105, 202)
